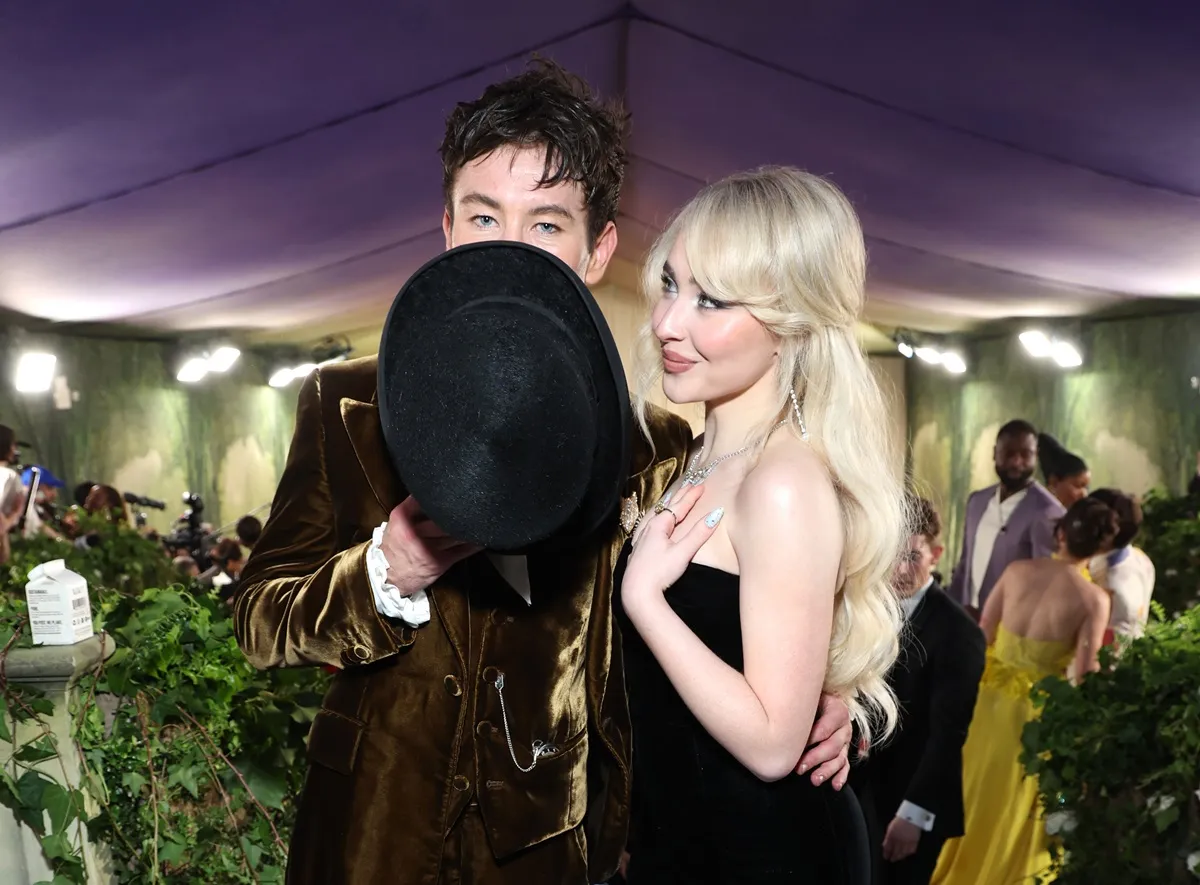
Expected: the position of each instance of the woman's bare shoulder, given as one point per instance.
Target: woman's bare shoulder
(788, 474)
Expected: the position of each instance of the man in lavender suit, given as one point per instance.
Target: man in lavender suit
(1006, 522)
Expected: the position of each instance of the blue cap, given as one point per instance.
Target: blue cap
(48, 479)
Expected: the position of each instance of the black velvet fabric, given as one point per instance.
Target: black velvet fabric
(502, 398)
(699, 816)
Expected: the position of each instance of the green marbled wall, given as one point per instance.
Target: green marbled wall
(132, 425)
(1130, 411)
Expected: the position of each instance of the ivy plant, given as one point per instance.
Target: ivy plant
(1118, 756)
(192, 760)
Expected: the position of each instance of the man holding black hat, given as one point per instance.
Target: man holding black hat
(477, 730)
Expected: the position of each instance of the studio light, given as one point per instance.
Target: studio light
(906, 349)
(35, 372)
(223, 358)
(1065, 354)
(193, 370)
(327, 352)
(929, 354)
(953, 363)
(1039, 345)
(281, 378)
(1036, 343)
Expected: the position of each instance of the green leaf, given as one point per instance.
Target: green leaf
(171, 851)
(269, 787)
(62, 805)
(253, 853)
(185, 776)
(41, 705)
(56, 846)
(1165, 818)
(37, 751)
(135, 781)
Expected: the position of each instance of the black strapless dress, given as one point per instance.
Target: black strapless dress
(699, 816)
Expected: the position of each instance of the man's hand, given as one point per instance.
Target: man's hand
(417, 551)
(828, 753)
(900, 840)
(623, 865)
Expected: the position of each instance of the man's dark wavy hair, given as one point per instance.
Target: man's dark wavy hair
(545, 106)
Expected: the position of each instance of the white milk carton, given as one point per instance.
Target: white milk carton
(60, 612)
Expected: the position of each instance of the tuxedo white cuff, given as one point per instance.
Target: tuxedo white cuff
(414, 609)
(916, 815)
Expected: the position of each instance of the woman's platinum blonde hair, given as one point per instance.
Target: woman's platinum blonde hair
(788, 246)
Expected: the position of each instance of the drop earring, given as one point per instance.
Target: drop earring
(799, 414)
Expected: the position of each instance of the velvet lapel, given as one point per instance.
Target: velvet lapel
(366, 437)
(644, 489)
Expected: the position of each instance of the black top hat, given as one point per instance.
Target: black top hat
(504, 406)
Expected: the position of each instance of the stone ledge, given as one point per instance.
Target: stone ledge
(60, 664)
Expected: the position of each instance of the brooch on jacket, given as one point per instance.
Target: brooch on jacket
(630, 514)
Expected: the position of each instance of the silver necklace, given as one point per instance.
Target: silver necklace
(693, 477)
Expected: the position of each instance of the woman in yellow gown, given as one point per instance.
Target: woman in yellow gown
(1041, 615)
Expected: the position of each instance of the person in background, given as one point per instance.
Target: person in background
(104, 500)
(41, 519)
(911, 787)
(226, 571)
(1124, 571)
(81, 491)
(12, 491)
(248, 531)
(1066, 474)
(1042, 616)
(1004, 523)
(186, 566)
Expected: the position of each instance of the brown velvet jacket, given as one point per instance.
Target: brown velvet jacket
(411, 730)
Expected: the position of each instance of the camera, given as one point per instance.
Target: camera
(188, 535)
(143, 501)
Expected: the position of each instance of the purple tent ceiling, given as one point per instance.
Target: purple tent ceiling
(273, 164)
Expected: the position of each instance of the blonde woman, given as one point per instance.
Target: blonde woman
(763, 578)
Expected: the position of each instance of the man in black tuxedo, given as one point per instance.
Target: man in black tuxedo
(911, 787)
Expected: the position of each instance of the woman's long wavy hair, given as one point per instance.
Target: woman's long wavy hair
(788, 246)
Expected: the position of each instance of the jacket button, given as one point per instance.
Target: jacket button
(500, 618)
(452, 687)
(485, 729)
(490, 674)
(361, 652)
(461, 783)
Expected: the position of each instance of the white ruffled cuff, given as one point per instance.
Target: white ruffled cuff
(414, 609)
